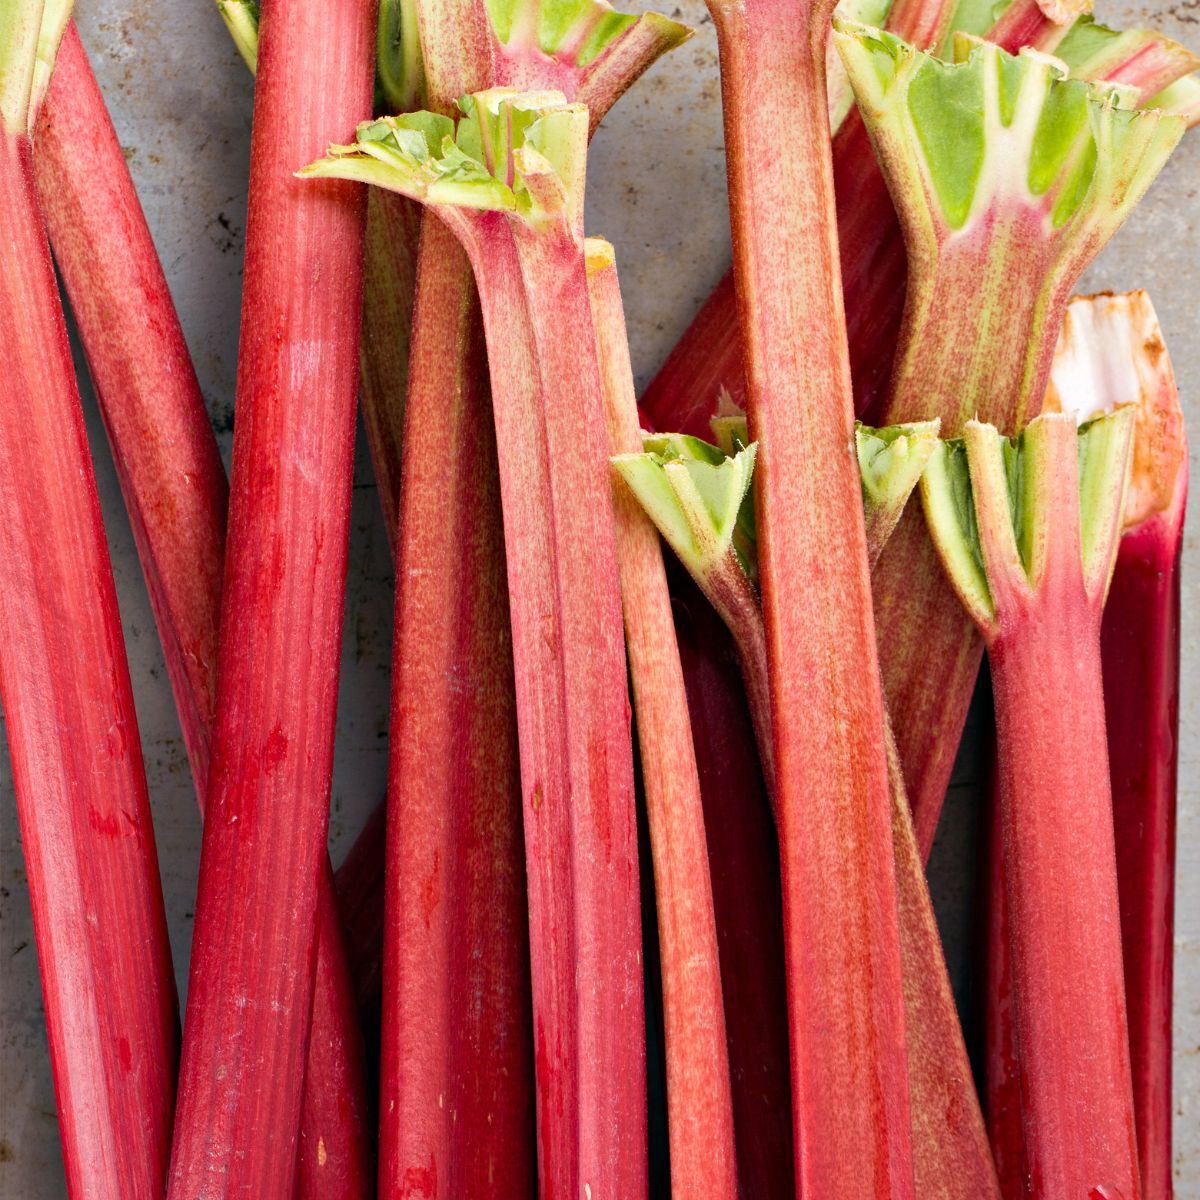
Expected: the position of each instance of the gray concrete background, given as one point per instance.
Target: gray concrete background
(181, 102)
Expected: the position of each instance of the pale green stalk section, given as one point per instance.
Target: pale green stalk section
(509, 152)
(1000, 128)
(1135, 56)
(400, 73)
(1182, 98)
(55, 15)
(698, 495)
(837, 82)
(891, 462)
(20, 30)
(241, 19)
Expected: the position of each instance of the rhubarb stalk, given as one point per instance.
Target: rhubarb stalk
(1140, 59)
(699, 1101)
(253, 967)
(176, 495)
(849, 1087)
(1027, 532)
(1001, 170)
(456, 818)
(1139, 645)
(694, 495)
(707, 362)
(164, 448)
(508, 181)
(107, 981)
(1110, 353)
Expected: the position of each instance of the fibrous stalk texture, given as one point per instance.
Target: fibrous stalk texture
(507, 179)
(86, 831)
(254, 947)
(1028, 531)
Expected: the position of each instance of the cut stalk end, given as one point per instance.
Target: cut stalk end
(1012, 518)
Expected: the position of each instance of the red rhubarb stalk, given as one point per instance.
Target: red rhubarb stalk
(1030, 192)
(1028, 23)
(1001, 1084)
(457, 1106)
(176, 495)
(707, 363)
(389, 279)
(107, 981)
(699, 1101)
(1110, 353)
(508, 181)
(456, 903)
(1028, 534)
(164, 449)
(254, 947)
(1140, 646)
(741, 845)
(694, 494)
(845, 997)
(457, 1088)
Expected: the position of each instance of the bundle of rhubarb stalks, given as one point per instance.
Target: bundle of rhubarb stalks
(677, 683)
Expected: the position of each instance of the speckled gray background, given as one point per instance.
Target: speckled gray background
(181, 102)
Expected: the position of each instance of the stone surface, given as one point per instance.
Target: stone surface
(181, 100)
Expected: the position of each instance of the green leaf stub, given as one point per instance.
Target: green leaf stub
(1008, 515)
(959, 141)
(576, 31)
(699, 499)
(509, 152)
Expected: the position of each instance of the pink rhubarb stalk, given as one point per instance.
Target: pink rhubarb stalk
(107, 981)
(457, 1087)
(707, 362)
(1110, 353)
(1029, 183)
(741, 845)
(1027, 23)
(254, 948)
(456, 907)
(845, 997)
(508, 181)
(699, 1101)
(1028, 534)
(176, 495)
(1140, 647)
(694, 494)
(164, 449)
